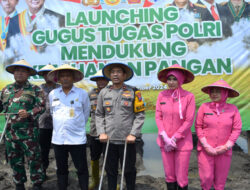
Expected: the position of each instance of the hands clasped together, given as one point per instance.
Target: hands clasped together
(169, 143)
(217, 150)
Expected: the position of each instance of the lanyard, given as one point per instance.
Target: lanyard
(5, 28)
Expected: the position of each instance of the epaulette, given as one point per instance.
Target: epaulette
(200, 5)
(223, 3)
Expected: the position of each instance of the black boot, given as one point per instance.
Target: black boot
(183, 188)
(20, 186)
(37, 186)
(172, 186)
(62, 182)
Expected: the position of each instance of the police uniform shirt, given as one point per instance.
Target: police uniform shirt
(122, 110)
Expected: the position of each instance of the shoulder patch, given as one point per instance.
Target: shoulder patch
(200, 5)
(93, 95)
(139, 105)
(223, 3)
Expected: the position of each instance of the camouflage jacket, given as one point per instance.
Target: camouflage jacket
(28, 97)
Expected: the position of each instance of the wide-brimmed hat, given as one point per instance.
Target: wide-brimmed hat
(97, 76)
(128, 70)
(221, 84)
(21, 63)
(162, 75)
(46, 68)
(53, 75)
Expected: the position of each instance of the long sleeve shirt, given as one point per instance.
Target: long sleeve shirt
(115, 115)
(70, 114)
(28, 97)
(218, 129)
(168, 118)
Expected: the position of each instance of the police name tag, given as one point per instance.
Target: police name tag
(71, 112)
(208, 114)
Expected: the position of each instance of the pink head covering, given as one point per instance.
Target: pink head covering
(224, 96)
(178, 74)
(226, 91)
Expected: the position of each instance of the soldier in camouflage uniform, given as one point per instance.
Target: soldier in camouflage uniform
(27, 101)
(96, 147)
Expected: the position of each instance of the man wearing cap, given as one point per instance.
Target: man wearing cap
(96, 147)
(25, 102)
(70, 108)
(218, 126)
(9, 7)
(45, 120)
(119, 118)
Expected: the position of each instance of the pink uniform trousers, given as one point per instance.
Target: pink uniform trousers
(176, 165)
(213, 170)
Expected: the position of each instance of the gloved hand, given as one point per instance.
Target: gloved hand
(168, 148)
(169, 142)
(222, 149)
(173, 142)
(165, 137)
(209, 149)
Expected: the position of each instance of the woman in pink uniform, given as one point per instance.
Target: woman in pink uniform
(175, 111)
(218, 125)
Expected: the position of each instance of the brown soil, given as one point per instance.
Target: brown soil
(238, 178)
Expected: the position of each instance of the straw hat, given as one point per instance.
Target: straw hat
(21, 63)
(98, 75)
(128, 70)
(53, 75)
(162, 75)
(221, 84)
(46, 68)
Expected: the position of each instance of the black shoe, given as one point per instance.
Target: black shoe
(20, 186)
(172, 186)
(183, 188)
(37, 187)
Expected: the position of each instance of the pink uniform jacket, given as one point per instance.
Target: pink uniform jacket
(168, 118)
(218, 129)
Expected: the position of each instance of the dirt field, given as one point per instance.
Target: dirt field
(238, 179)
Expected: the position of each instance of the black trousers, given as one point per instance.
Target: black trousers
(115, 153)
(78, 155)
(96, 148)
(45, 143)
